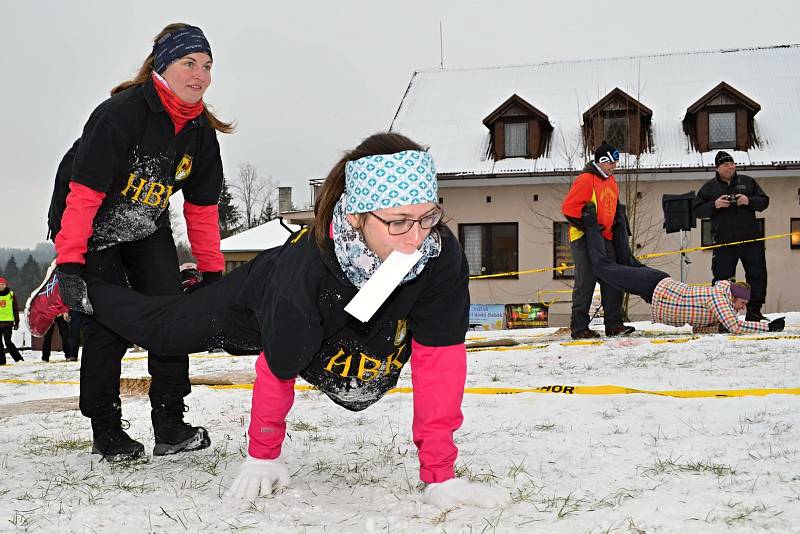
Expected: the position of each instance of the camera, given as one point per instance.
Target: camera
(731, 198)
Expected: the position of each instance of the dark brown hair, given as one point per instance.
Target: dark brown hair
(333, 187)
(146, 71)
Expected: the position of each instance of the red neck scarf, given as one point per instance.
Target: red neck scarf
(179, 111)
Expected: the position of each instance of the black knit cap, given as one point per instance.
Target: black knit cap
(606, 153)
(722, 157)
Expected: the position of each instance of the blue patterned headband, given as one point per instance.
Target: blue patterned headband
(389, 180)
(179, 43)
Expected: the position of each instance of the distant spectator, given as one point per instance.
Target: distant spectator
(9, 319)
(731, 201)
(595, 185)
(62, 322)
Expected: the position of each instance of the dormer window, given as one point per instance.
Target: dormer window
(621, 120)
(517, 130)
(722, 118)
(617, 130)
(516, 139)
(722, 129)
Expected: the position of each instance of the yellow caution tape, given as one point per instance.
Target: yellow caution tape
(558, 388)
(564, 266)
(194, 356)
(502, 349)
(585, 390)
(760, 338)
(582, 342)
(52, 382)
(673, 340)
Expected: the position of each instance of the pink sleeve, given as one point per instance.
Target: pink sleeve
(438, 375)
(272, 400)
(76, 223)
(202, 228)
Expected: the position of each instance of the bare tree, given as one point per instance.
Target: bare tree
(253, 192)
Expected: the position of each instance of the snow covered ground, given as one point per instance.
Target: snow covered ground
(569, 463)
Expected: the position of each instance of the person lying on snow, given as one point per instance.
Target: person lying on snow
(288, 304)
(706, 309)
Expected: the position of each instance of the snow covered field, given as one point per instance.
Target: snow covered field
(569, 463)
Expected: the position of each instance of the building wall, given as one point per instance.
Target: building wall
(515, 203)
(236, 259)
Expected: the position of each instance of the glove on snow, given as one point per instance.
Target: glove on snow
(456, 492)
(258, 477)
(72, 288)
(777, 325)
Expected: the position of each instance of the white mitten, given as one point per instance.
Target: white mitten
(258, 477)
(456, 492)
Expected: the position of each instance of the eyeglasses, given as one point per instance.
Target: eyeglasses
(401, 226)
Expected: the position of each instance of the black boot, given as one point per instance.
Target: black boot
(110, 439)
(754, 312)
(172, 433)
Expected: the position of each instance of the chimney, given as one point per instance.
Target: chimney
(284, 200)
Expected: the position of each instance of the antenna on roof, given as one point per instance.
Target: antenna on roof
(441, 47)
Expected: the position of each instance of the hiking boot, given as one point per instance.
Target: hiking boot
(755, 316)
(110, 439)
(44, 304)
(620, 330)
(584, 334)
(172, 433)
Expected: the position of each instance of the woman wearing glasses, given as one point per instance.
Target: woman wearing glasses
(288, 304)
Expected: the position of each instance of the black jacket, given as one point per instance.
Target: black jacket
(735, 223)
(130, 152)
(298, 292)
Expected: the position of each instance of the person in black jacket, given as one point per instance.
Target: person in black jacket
(731, 201)
(62, 323)
(110, 216)
(289, 305)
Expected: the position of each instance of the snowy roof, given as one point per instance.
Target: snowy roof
(444, 108)
(268, 235)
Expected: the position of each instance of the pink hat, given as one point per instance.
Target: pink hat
(3, 280)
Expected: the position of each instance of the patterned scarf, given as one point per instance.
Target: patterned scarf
(356, 259)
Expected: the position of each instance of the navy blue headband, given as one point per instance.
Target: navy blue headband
(177, 44)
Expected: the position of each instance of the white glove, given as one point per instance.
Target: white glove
(456, 491)
(258, 477)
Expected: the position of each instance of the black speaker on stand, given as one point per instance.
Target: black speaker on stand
(679, 217)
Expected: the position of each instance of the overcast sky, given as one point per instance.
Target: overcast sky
(307, 80)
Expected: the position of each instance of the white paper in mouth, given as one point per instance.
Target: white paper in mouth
(381, 284)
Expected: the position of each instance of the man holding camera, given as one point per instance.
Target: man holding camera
(731, 201)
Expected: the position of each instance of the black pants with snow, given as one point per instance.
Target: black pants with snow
(150, 266)
(6, 343)
(66, 340)
(583, 289)
(205, 319)
(626, 274)
(723, 267)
